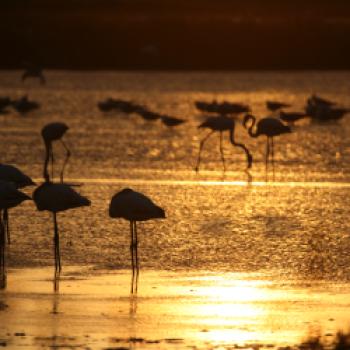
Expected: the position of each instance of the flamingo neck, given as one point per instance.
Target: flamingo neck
(46, 162)
(250, 129)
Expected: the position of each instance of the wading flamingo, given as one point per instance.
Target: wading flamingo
(134, 206)
(9, 197)
(269, 127)
(15, 176)
(50, 133)
(57, 197)
(220, 124)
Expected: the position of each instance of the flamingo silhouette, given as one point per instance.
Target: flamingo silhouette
(171, 121)
(134, 206)
(274, 106)
(270, 127)
(57, 197)
(9, 197)
(24, 105)
(220, 124)
(10, 173)
(33, 71)
(291, 117)
(50, 133)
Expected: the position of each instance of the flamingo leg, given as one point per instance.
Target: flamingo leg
(52, 161)
(2, 254)
(6, 226)
(267, 153)
(132, 254)
(58, 267)
(273, 158)
(222, 152)
(136, 256)
(68, 154)
(201, 145)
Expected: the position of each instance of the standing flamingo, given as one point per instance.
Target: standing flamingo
(57, 197)
(134, 206)
(269, 127)
(34, 72)
(221, 123)
(12, 174)
(9, 197)
(52, 132)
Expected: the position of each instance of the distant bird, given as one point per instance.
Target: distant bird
(9, 197)
(269, 127)
(33, 71)
(134, 206)
(291, 117)
(57, 197)
(4, 103)
(274, 106)
(17, 178)
(107, 105)
(222, 108)
(314, 99)
(172, 121)
(148, 115)
(24, 105)
(54, 132)
(220, 124)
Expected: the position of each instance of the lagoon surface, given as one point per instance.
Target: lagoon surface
(241, 259)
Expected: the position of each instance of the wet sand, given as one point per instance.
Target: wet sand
(93, 309)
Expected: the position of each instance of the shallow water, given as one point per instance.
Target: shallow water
(291, 230)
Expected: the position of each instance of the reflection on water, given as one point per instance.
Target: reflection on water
(191, 308)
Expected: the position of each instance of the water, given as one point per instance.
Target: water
(292, 234)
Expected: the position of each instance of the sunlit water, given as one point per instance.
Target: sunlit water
(268, 261)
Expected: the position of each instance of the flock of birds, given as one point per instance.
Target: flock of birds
(130, 205)
(56, 197)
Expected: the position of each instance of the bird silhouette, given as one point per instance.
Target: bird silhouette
(24, 105)
(220, 124)
(269, 127)
(33, 71)
(222, 108)
(274, 106)
(55, 198)
(134, 206)
(291, 117)
(52, 132)
(10, 173)
(171, 121)
(9, 197)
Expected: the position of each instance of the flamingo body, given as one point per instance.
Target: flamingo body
(134, 206)
(54, 131)
(12, 174)
(57, 197)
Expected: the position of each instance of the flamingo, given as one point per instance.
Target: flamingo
(274, 106)
(134, 206)
(171, 121)
(33, 71)
(10, 173)
(269, 127)
(291, 117)
(57, 197)
(9, 197)
(221, 123)
(52, 132)
(222, 108)
(24, 105)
